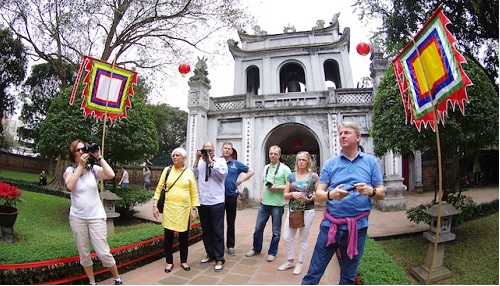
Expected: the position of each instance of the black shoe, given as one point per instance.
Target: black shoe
(118, 282)
(187, 268)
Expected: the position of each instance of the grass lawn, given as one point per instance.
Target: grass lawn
(29, 177)
(43, 231)
(472, 257)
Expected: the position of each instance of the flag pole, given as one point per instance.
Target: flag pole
(438, 147)
(104, 122)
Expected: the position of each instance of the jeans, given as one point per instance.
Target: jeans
(212, 224)
(323, 254)
(276, 214)
(230, 205)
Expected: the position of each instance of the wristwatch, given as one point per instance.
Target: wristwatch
(374, 193)
(155, 205)
(99, 159)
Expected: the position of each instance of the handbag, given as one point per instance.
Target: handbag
(164, 190)
(296, 219)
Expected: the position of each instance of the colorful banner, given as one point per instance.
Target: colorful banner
(429, 74)
(107, 89)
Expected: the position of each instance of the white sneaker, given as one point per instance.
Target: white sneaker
(271, 258)
(286, 265)
(250, 253)
(297, 269)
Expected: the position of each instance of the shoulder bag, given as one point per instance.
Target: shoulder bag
(164, 190)
(296, 217)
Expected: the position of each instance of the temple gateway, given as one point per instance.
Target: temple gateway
(292, 90)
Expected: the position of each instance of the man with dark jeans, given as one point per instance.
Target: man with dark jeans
(210, 172)
(234, 169)
(272, 204)
(347, 183)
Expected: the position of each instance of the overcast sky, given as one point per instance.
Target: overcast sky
(272, 16)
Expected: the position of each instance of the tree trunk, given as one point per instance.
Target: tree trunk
(57, 182)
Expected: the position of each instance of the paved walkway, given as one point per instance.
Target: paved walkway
(241, 270)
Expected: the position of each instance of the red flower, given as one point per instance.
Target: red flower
(10, 196)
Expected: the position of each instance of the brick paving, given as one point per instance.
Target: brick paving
(241, 270)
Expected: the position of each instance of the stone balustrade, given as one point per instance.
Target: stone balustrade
(292, 99)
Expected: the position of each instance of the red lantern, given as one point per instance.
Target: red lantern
(297, 143)
(184, 69)
(363, 49)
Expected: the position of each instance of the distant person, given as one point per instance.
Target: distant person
(347, 183)
(181, 200)
(234, 169)
(43, 178)
(124, 180)
(146, 172)
(299, 190)
(211, 172)
(272, 204)
(87, 216)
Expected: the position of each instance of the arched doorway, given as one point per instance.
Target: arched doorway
(292, 138)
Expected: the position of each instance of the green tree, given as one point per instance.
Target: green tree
(137, 33)
(130, 139)
(171, 125)
(41, 87)
(473, 22)
(13, 69)
(462, 136)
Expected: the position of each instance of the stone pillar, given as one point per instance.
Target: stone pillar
(394, 189)
(198, 105)
(392, 168)
(109, 202)
(394, 195)
(433, 269)
(419, 186)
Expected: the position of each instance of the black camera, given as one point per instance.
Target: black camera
(204, 152)
(269, 184)
(90, 147)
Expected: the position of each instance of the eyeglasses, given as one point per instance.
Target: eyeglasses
(80, 150)
(176, 155)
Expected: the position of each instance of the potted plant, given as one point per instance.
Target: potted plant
(10, 197)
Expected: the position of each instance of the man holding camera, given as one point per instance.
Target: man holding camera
(272, 204)
(211, 172)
